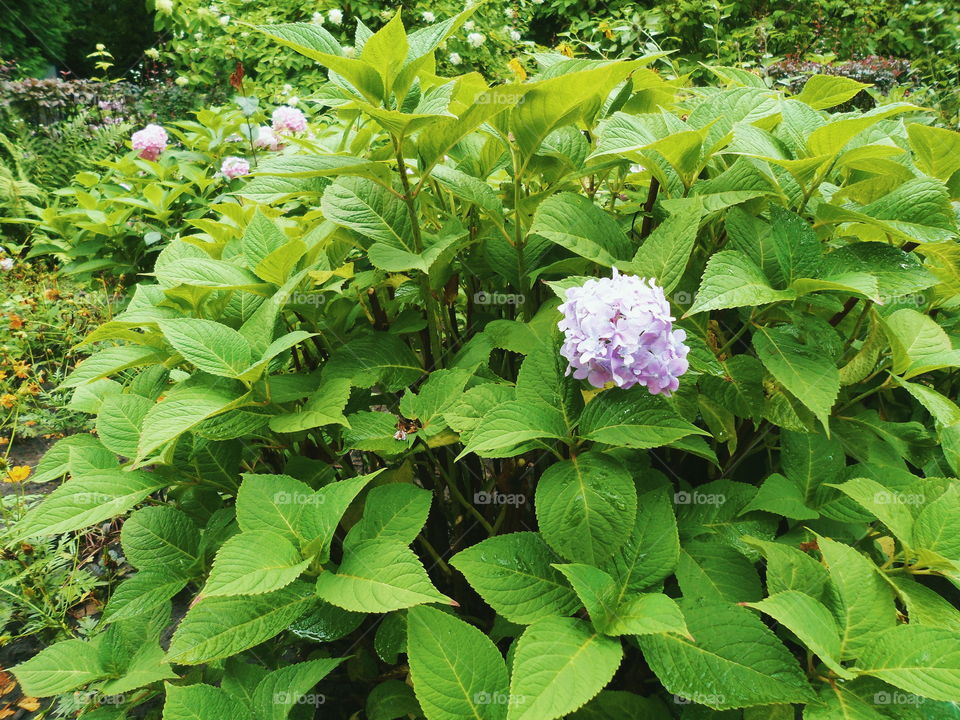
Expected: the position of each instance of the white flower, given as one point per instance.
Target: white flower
(637, 168)
(349, 51)
(429, 17)
(224, 20)
(292, 102)
(164, 6)
(476, 39)
(317, 18)
(287, 89)
(6, 264)
(198, 36)
(335, 15)
(152, 53)
(386, 14)
(538, 2)
(182, 80)
(455, 59)
(515, 35)
(469, 25)
(511, 13)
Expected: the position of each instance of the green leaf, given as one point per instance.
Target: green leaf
(513, 573)
(810, 621)
(281, 690)
(378, 576)
(457, 671)
(511, 423)
(789, 568)
(314, 42)
(781, 496)
(253, 563)
(827, 91)
(633, 418)
(260, 238)
(391, 512)
(919, 344)
(161, 538)
(732, 280)
(87, 500)
(371, 210)
(110, 361)
(218, 627)
(803, 370)
(211, 346)
(119, 422)
(209, 273)
(441, 390)
(861, 601)
(734, 660)
(559, 664)
(664, 254)
(586, 507)
(918, 659)
(141, 593)
(62, 667)
(275, 503)
(180, 411)
(200, 702)
(376, 359)
(651, 550)
(936, 150)
(575, 223)
(883, 504)
(936, 525)
(715, 572)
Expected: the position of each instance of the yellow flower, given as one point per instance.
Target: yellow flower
(17, 474)
(604, 27)
(565, 49)
(20, 368)
(8, 400)
(517, 67)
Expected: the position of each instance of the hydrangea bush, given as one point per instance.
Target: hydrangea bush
(591, 396)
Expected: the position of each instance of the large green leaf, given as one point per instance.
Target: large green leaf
(803, 370)
(253, 563)
(733, 661)
(633, 418)
(378, 576)
(558, 665)
(219, 627)
(921, 660)
(513, 574)
(731, 280)
(586, 507)
(457, 671)
(575, 223)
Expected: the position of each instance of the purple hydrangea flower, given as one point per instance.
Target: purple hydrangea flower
(620, 330)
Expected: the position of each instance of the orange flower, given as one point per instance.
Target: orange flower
(32, 388)
(51, 294)
(604, 27)
(16, 322)
(21, 369)
(4, 441)
(565, 49)
(17, 474)
(3, 374)
(8, 400)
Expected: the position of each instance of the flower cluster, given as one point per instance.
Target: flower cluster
(234, 167)
(288, 119)
(267, 139)
(620, 330)
(150, 141)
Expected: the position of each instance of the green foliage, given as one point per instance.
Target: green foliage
(342, 407)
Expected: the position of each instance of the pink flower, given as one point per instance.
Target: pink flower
(620, 330)
(267, 139)
(151, 141)
(234, 167)
(288, 119)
